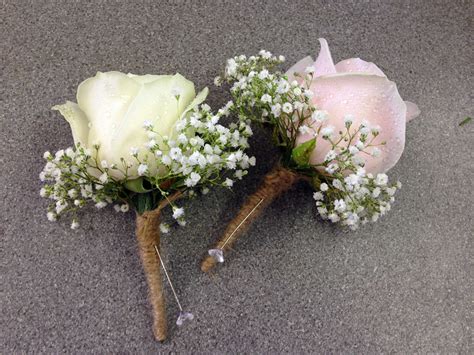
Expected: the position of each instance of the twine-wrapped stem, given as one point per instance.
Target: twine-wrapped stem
(274, 184)
(148, 236)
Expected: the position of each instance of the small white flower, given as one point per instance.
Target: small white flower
(263, 74)
(358, 160)
(376, 152)
(320, 116)
(182, 139)
(217, 81)
(318, 196)
(103, 178)
(297, 91)
(333, 217)
(51, 216)
(309, 94)
(352, 219)
(178, 212)
(353, 150)
(283, 87)
(332, 168)
(323, 212)
(142, 169)
(287, 107)
(239, 174)
(337, 184)
(60, 206)
(43, 192)
(117, 208)
(375, 130)
(364, 130)
(205, 191)
(265, 54)
(339, 205)
(324, 187)
(151, 134)
(104, 164)
(330, 156)
(381, 179)
(74, 224)
(72, 193)
(281, 58)
(124, 208)
(101, 204)
(164, 228)
(348, 119)
(77, 202)
(166, 160)
(304, 129)
(376, 192)
(266, 98)
(176, 92)
(228, 182)
(399, 185)
(195, 177)
(147, 124)
(276, 110)
(47, 155)
(352, 179)
(327, 131)
(151, 144)
(180, 125)
(134, 151)
(175, 153)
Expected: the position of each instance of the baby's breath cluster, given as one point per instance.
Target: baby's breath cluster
(200, 154)
(269, 98)
(347, 194)
(70, 181)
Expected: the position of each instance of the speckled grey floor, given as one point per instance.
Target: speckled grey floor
(294, 284)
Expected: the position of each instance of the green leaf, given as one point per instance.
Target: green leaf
(143, 202)
(301, 153)
(137, 185)
(466, 120)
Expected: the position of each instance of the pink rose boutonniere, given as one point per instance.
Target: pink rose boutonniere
(340, 127)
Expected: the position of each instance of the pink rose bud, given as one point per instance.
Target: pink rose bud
(360, 89)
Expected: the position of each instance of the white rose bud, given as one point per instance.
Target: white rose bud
(112, 106)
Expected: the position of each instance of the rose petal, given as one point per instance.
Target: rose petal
(144, 79)
(324, 64)
(299, 68)
(366, 97)
(156, 102)
(357, 65)
(77, 120)
(412, 110)
(200, 97)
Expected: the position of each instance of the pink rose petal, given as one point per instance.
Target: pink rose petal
(357, 65)
(368, 98)
(299, 68)
(324, 64)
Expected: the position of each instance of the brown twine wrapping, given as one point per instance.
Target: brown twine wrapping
(148, 235)
(275, 183)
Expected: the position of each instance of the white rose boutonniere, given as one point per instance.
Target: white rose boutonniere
(143, 141)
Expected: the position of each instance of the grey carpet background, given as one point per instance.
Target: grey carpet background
(294, 284)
